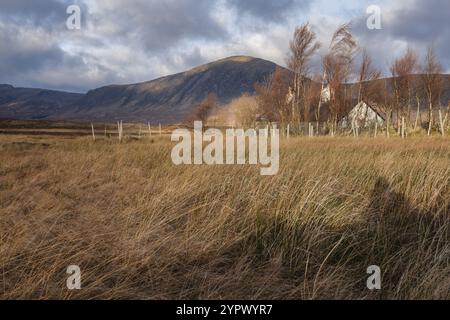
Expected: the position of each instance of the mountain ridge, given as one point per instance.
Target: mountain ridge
(172, 98)
(167, 99)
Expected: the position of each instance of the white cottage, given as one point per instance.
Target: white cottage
(363, 115)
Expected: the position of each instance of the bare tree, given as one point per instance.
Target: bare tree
(385, 101)
(206, 107)
(402, 71)
(302, 47)
(367, 74)
(369, 89)
(272, 97)
(432, 82)
(337, 68)
(311, 99)
(244, 110)
(418, 89)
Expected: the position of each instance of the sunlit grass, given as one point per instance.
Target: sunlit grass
(140, 227)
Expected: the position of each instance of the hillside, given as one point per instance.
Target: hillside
(25, 103)
(171, 99)
(417, 82)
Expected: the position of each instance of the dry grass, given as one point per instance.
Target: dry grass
(142, 228)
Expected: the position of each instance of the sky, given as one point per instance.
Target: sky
(130, 41)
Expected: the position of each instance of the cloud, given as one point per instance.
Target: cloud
(415, 23)
(424, 23)
(128, 41)
(269, 10)
(120, 41)
(158, 25)
(48, 14)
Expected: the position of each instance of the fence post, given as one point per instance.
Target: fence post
(120, 129)
(441, 123)
(93, 132)
(403, 127)
(288, 131)
(160, 130)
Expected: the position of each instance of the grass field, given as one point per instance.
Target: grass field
(140, 227)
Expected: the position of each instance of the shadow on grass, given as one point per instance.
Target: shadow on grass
(409, 243)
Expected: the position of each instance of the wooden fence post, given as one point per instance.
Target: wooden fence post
(403, 128)
(120, 129)
(441, 123)
(93, 131)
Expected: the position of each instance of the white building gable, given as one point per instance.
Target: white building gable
(325, 95)
(362, 115)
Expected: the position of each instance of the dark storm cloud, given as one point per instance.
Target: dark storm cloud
(43, 13)
(268, 10)
(28, 46)
(159, 25)
(426, 23)
(423, 21)
(419, 25)
(125, 41)
(33, 60)
(30, 9)
(16, 58)
(33, 35)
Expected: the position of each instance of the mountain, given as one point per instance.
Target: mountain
(417, 82)
(169, 99)
(25, 103)
(173, 98)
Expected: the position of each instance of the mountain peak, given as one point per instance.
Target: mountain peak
(169, 99)
(232, 59)
(173, 98)
(239, 59)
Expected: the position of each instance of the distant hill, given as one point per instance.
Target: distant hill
(25, 103)
(169, 99)
(417, 82)
(166, 100)
(173, 98)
